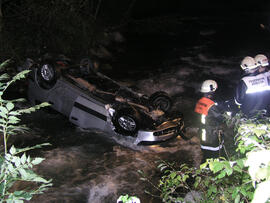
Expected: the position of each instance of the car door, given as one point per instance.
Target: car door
(89, 113)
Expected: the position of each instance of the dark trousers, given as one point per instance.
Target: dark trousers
(207, 154)
(211, 143)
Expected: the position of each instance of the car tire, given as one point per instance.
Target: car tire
(161, 100)
(86, 66)
(126, 122)
(46, 75)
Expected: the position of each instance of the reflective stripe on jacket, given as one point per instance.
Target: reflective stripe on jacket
(257, 83)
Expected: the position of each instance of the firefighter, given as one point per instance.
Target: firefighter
(253, 91)
(211, 118)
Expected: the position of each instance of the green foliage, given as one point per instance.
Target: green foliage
(16, 167)
(244, 177)
(15, 164)
(128, 199)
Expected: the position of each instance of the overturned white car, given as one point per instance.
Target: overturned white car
(92, 100)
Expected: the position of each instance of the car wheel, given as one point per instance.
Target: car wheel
(46, 76)
(161, 100)
(126, 122)
(86, 66)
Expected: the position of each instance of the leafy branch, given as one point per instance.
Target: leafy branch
(243, 177)
(15, 165)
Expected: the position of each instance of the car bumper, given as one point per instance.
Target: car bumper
(167, 131)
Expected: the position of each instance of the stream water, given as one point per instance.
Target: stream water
(91, 166)
(94, 167)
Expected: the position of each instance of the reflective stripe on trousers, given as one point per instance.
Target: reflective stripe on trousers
(204, 138)
(212, 148)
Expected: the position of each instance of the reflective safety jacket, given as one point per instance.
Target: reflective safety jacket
(257, 83)
(210, 118)
(203, 106)
(253, 93)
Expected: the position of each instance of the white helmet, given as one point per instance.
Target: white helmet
(261, 60)
(248, 63)
(209, 86)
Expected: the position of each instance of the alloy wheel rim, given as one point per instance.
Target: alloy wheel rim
(127, 123)
(47, 72)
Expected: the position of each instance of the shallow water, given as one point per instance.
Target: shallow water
(91, 166)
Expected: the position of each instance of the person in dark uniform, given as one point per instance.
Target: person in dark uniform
(253, 91)
(211, 119)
